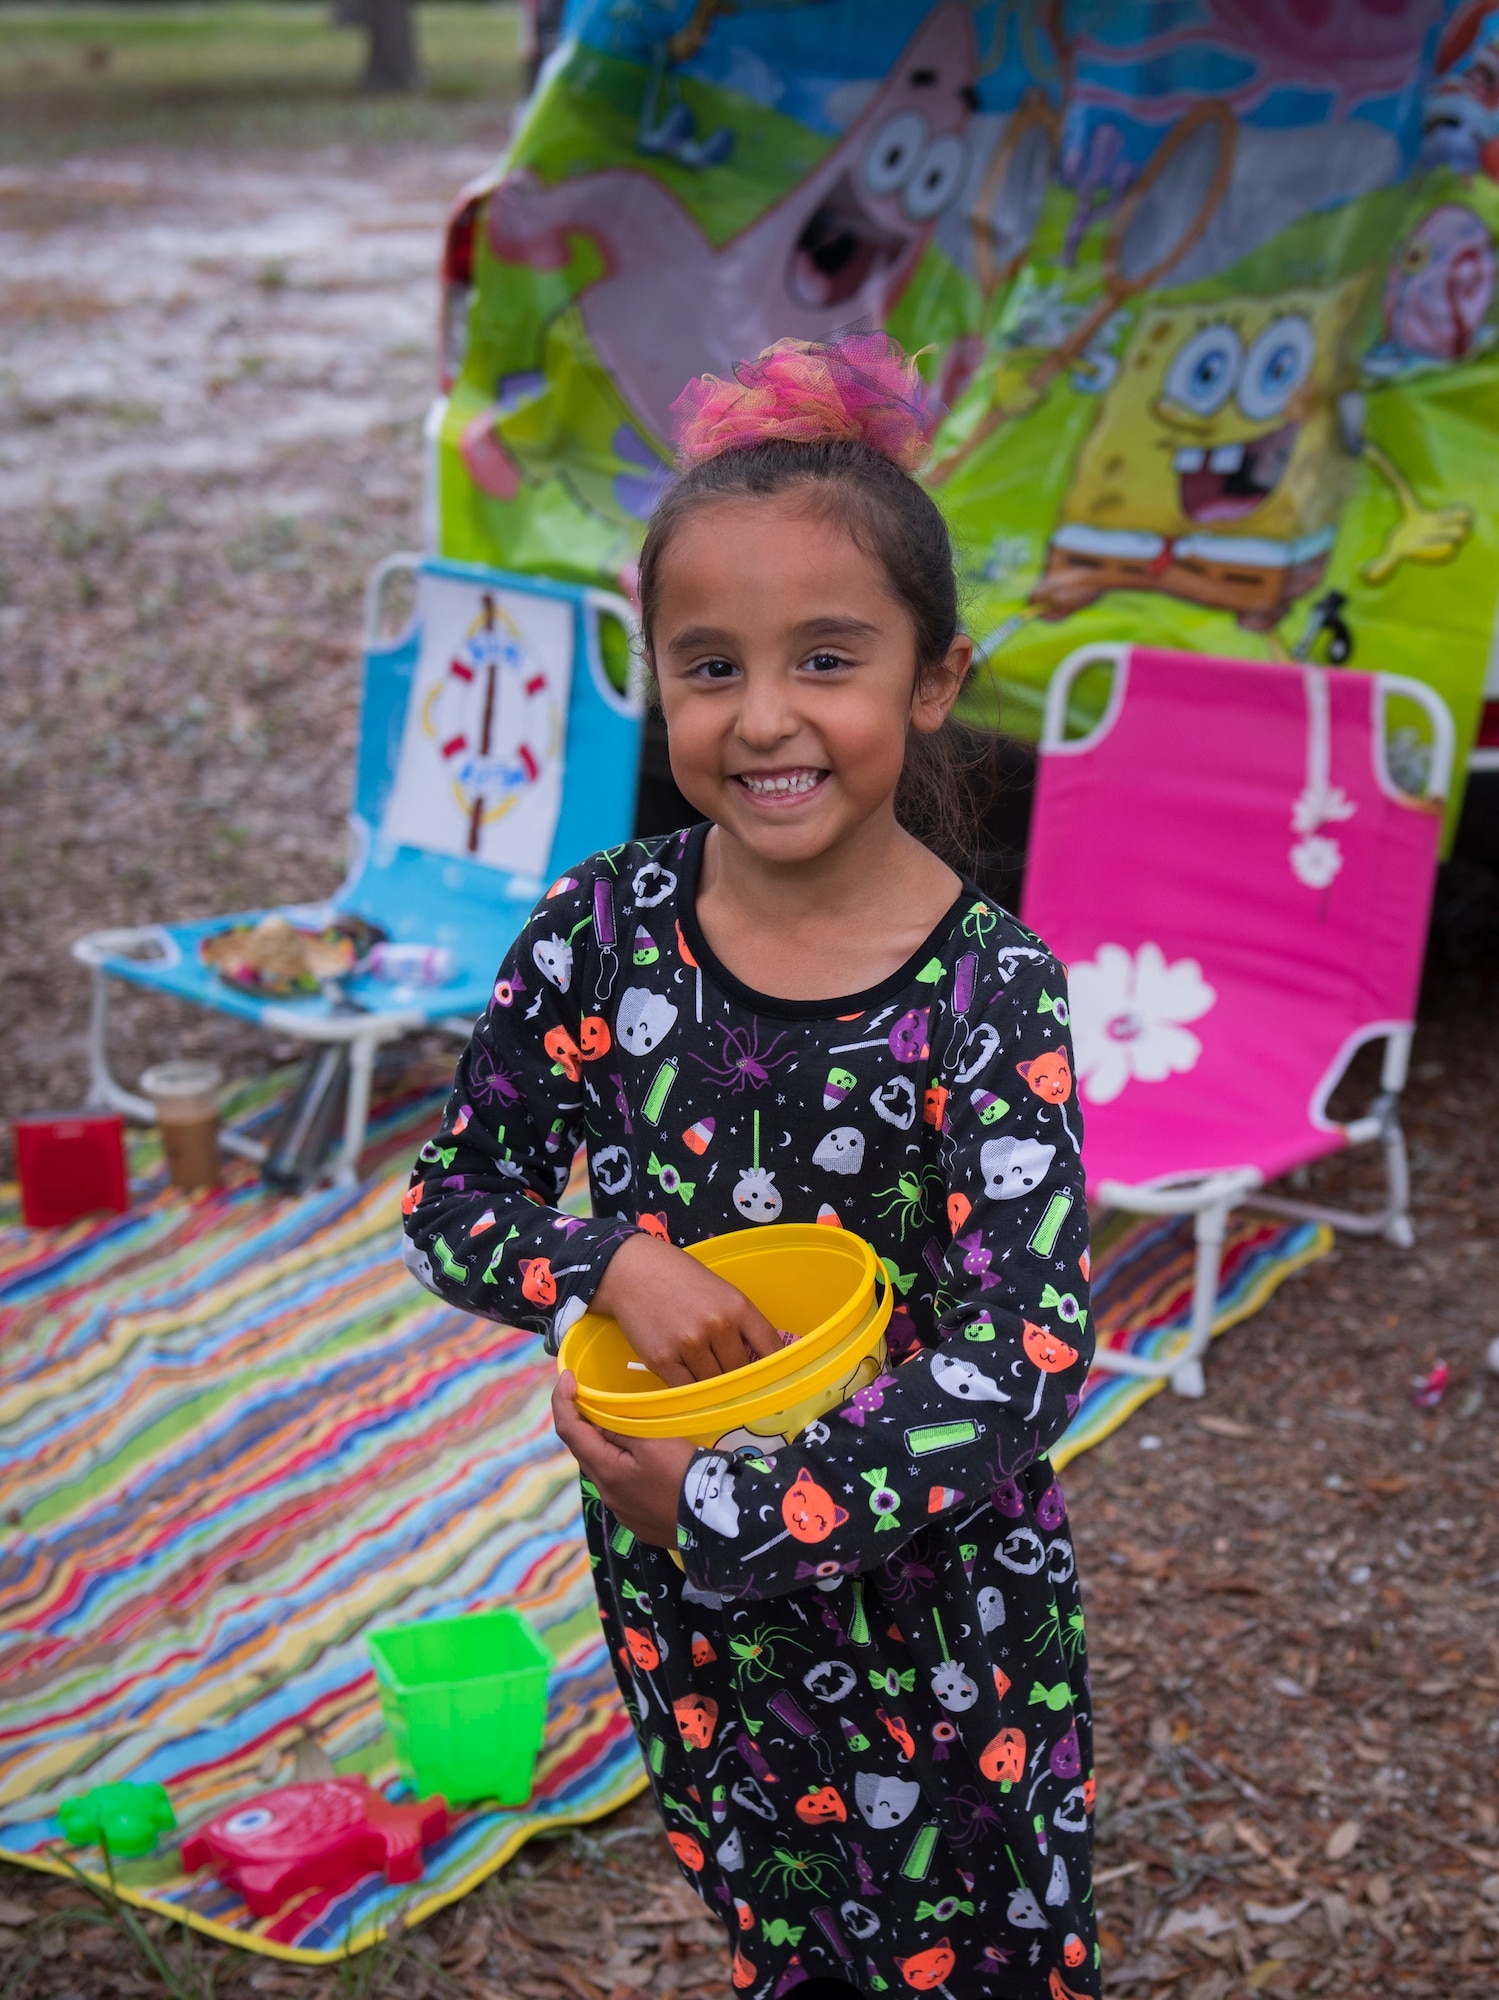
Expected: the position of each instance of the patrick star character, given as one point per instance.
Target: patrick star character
(835, 252)
(319, 1837)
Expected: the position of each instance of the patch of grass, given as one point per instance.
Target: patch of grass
(88, 78)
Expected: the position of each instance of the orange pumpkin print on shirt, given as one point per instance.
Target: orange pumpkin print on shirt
(821, 1803)
(926, 1969)
(1050, 1354)
(810, 1511)
(686, 1849)
(1050, 1076)
(642, 1648)
(536, 1281)
(593, 1037)
(1003, 1758)
(744, 1971)
(697, 1718)
(564, 1051)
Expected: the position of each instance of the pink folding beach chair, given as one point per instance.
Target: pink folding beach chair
(1239, 887)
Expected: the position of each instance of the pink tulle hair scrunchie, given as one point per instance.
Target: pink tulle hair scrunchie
(861, 387)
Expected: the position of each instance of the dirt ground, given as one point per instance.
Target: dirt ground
(212, 373)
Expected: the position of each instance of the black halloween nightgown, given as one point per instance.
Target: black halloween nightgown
(864, 1704)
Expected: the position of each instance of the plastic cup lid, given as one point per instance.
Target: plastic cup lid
(182, 1079)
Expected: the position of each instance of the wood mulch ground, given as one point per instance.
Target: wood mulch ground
(212, 372)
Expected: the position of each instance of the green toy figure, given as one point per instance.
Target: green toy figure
(127, 1818)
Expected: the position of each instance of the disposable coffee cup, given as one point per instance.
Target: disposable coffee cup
(186, 1097)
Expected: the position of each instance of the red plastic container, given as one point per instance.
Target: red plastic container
(324, 1836)
(70, 1165)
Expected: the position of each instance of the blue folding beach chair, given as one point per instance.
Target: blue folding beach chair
(494, 749)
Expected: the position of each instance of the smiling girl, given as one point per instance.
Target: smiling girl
(863, 1695)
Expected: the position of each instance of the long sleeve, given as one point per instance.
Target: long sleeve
(1007, 1231)
(482, 1227)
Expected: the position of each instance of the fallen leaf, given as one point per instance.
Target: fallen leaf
(1344, 1837)
(1225, 1427)
(14, 1913)
(1263, 1973)
(1153, 1966)
(1281, 1913)
(1400, 1483)
(1117, 1873)
(1204, 1918)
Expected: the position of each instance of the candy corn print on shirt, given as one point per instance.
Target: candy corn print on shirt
(863, 1697)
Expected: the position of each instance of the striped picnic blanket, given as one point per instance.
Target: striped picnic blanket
(234, 1435)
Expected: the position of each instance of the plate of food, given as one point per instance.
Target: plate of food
(276, 959)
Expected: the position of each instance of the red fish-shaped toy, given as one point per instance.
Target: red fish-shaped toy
(320, 1836)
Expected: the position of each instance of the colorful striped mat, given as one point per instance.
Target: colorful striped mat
(234, 1435)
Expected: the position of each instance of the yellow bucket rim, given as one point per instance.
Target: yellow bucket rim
(719, 1252)
(659, 1413)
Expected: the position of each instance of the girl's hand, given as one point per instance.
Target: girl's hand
(683, 1322)
(638, 1479)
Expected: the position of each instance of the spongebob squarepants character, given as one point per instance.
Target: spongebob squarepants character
(1217, 469)
(494, 718)
(1222, 459)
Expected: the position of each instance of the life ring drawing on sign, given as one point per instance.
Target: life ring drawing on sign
(494, 718)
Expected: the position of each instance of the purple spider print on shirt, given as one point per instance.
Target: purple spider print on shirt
(973, 1814)
(743, 1064)
(492, 1084)
(907, 1577)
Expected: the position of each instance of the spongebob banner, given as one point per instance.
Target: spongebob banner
(1207, 285)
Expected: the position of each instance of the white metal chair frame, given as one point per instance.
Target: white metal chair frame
(1211, 1198)
(363, 1033)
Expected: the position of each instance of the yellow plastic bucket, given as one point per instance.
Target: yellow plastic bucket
(790, 1278)
(816, 1283)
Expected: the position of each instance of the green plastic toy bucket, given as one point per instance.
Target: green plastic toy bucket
(466, 1701)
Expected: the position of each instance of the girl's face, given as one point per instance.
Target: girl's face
(788, 676)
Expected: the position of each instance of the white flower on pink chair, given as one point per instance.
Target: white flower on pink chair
(1129, 1016)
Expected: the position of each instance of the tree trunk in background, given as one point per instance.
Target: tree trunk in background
(392, 44)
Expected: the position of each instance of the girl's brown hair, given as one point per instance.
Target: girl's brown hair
(896, 523)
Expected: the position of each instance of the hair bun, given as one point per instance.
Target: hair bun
(861, 388)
